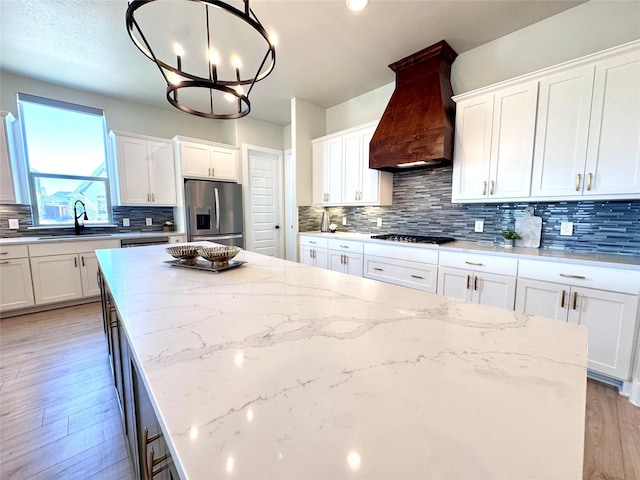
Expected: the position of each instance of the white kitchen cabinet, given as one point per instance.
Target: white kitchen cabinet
(345, 256)
(494, 144)
(202, 159)
(411, 267)
(313, 251)
(484, 279)
(146, 170)
(15, 278)
(605, 300)
(341, 173)
(66, 270)
(7, 190)
(177, 238)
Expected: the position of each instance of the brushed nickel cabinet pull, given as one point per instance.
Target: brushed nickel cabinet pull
(344, 246)
(564, 294)
(417, 276)
(378, 269)
(578, 178)
(155, 461)
(567, 275)
(589, 179)
(75, 262)
(484, 188)
(148, 198)
(5, 262)
(475, 283)
(473, 263)
(575, 299)
(213, 171)
(153, 197)
(82, 260)
(493, 184)
(311, 241)
(468, 282)
(4, 253)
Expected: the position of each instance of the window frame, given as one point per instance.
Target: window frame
(32, 176)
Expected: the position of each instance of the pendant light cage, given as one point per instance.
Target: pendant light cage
(203, 76)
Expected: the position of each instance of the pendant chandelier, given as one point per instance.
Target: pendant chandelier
(209, 52)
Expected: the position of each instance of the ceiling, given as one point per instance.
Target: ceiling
(326, 54)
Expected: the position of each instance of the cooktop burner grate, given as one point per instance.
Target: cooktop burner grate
(395, 237)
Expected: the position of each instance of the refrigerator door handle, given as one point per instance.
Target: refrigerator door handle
(215, 191)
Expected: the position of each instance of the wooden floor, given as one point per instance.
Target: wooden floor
(59, 418)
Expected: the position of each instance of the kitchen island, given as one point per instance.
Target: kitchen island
(281, 370)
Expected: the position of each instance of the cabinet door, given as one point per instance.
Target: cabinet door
(611, 320)
(15, 279)
(336, 261)
(7, 192)
(224, 164)
(369, 178)
(345, 263)
(321, 258)
(133, 171)
(306, 255)
(613, 156)
(562, 129)
(333, 170)
(195, 160)
(318, 172)
(351, 168)
(89, 274)
(472, 150)
(56, 278)
(162, 173)
(495, 290)
(455, 282)
(514, 118)
(542, 298)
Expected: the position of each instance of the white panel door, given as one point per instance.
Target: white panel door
(133, 171)
(545, 299)
(162, 176)
(613, 156)
(56, 278)
(472, 150)
(562, 130)
(611, 320)
(15, 281)
(264, 190)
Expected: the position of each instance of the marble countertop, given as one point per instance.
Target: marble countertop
(601, 259)
(278, 370)
(84, 237)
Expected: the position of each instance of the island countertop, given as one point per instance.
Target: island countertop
(278, 370)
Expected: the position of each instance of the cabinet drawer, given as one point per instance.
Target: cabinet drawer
(479, 263)
(316, 242)
(346, 246)
(414, 254)
(601, 278)
(13, 251)
(63, 248)
(401, 272)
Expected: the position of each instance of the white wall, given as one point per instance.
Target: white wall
(359, 110)
(120, 114)
(308, 122)
(257, 132)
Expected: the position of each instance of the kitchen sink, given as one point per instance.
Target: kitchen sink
(79, 237)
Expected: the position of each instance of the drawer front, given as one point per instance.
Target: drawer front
(600, 278)
(346, 246)
(414, 254)
(64, 248)
(13, 251)
(314, 242)
(401, 272)
(480, 263)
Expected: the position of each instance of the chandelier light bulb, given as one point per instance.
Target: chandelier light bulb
(178, 50)
(228, 97)
(357, 5)
(174, 78)
(236, 62)
(273, 38)
(214, 58)
(240, 90)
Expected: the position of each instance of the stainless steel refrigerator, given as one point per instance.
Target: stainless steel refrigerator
(214, 212)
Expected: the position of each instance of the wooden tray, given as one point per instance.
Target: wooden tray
(205, 265)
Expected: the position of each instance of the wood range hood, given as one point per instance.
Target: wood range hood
(416, 128)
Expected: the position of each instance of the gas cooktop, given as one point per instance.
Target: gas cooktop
(395, 237)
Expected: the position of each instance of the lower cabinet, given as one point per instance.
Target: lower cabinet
(148, 452)
(313, 251)
(478, 278)
(15, 278)
(610, 316)
(345, 256)
(407, 266)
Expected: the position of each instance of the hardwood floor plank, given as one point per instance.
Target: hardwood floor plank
(102, 412)
(603, 449)
(629, 416)
(117, 471)
(78, 404)
(15, 444)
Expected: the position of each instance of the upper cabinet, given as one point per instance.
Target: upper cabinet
(565, 133)
(202, 159)
(7, 192)
(494, 145)
(341, 173)
(146, 170)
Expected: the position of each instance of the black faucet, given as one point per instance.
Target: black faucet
(76, 225)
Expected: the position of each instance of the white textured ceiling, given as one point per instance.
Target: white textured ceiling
(326, 54)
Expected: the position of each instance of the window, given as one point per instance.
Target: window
(65, 154)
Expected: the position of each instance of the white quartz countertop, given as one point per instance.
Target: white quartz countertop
(278, 370)
(84, 237)
(601, 259)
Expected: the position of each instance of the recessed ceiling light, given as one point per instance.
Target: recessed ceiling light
(357, 5)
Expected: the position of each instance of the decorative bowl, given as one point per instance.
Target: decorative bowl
(218, 256)
(187, 253)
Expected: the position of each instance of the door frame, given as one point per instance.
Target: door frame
(246, 195)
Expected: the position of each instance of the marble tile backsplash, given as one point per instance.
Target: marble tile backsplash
(136, 215)
(422, 205)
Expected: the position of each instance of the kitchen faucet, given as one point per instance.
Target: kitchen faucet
(76, 225)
